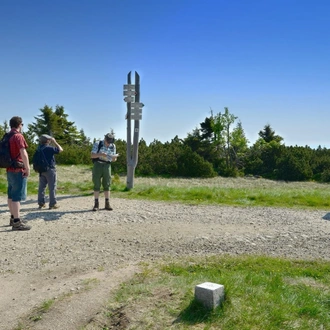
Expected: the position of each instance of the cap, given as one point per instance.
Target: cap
(44, 138)
(109, 137)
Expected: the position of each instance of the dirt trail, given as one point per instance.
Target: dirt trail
(76, 257)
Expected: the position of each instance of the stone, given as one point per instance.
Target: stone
(211, 295)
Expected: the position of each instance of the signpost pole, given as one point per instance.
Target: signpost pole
(134, 112)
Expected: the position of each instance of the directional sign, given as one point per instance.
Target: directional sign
(137, 106)
(129, 87)
(129, 99)
(130, 93)
(136, 115)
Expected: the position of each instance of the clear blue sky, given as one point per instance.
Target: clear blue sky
(268, 61)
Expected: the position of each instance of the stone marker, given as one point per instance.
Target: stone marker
(210, 294)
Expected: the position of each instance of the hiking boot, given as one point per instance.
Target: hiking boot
(12, 221)
(107, 206)
(41, 206)
(96, 206)
(20, 225)
(53, 207)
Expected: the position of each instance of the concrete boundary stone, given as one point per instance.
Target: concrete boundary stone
(210, 294)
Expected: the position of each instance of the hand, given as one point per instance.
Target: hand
(114, 157)
(26, 172)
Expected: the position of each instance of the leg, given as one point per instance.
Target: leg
(106, 186)
(16, 193)
(41, 189)
(96, 178)
(9, 201)
(52, 178)
(16, 206)
(11, 222)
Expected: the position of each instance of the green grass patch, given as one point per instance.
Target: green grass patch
(252, 196)
(77, 180)
(260, 293)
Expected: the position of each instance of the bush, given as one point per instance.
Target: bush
(190, 164)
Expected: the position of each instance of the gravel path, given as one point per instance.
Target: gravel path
(70, 248)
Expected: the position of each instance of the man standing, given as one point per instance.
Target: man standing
(49, 177)
(17, 174)
(103, 153)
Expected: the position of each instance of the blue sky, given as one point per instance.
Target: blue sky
(266, 60)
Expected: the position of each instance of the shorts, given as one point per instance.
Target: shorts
(101, 175)
(17, 186)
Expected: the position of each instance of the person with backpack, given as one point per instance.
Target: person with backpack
(17, 173)
(47, 176)
(103, 153)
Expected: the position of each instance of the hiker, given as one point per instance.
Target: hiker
(17, 174)
(48, 177)
(103, 153)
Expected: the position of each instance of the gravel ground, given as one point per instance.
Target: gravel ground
(68, 247)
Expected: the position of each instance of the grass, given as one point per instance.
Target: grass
(76, 180)
(42, 309)
(260, 293)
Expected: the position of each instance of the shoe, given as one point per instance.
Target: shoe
(19, 225)
(12, 222)
(41, 206)
(96, 206)
(53, 207)
(107, 206)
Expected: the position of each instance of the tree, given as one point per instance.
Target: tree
(4, 128)
(76, 145)
(295, 164)
(268, 135)
(239, 146)
(263, 155)
(56, 124)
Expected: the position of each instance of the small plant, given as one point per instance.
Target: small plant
(43, 308)
(88, 283)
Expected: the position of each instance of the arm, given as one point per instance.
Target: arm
(25, 159)
(98, 155)
(115, 155)
(57, 145)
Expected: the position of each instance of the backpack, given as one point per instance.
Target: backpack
(5, 158)
(98, 150)
(39, 161)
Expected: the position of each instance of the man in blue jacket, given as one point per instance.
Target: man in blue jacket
(49, 177)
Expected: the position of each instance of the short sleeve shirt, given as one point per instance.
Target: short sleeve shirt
(49, 152)
(16, 143)
(111, 150)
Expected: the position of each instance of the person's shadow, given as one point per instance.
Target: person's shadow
(46, 215)
(326, 216)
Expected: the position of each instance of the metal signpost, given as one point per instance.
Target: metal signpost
(134, 112)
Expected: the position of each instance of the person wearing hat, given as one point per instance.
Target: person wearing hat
(103, 153)
(49, 177)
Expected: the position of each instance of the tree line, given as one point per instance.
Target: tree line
(218, 146)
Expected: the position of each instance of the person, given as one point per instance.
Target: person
(103, 153)
(49, 177)
(18, 174)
